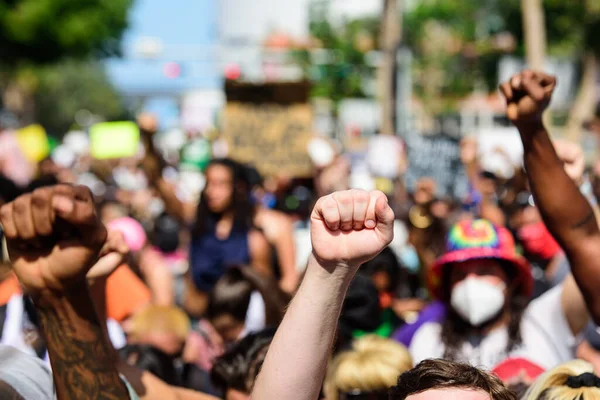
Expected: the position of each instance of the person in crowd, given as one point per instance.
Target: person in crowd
(484, 283)
(442, 379)
(53, 273)
(347, 229)
(242, 302)
(223, 234)
(367, 371)
(574, 380)
(518, 374)
(235, 371)
(163, 327)
(66, 279)
(227, 191)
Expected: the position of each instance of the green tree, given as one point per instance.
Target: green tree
(78, 85)
(43, 31)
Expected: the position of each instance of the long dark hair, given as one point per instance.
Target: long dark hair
(231, 295)
(241, 204)
(455, 330)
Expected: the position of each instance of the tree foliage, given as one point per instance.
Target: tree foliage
(44, 31)
(64, 89)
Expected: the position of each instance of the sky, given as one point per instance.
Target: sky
(187, 29)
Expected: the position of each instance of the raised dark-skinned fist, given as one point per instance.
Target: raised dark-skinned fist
(528, 94)
(53, 237)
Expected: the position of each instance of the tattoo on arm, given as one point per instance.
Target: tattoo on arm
(82, 360)
(591, 217)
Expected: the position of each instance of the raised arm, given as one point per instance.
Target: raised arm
(347, 229)
(565, 211)
(53, 238)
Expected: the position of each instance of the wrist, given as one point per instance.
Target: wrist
(337, 270)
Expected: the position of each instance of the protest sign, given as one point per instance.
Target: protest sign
(114, 140)
(33, 142)
(436, 157)
(274, 138)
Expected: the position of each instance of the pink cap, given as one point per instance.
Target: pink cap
(134, 233)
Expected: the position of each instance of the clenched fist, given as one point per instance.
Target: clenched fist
(351, 227)
(53, 237)
(528, 94)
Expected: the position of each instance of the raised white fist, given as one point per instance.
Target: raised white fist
(351, 227)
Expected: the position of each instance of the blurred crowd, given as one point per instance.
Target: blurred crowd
(211, 254)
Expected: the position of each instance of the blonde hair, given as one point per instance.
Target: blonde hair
(374, 363)
(552, 385)
(160, 319)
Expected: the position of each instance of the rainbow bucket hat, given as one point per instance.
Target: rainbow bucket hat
(477, 240)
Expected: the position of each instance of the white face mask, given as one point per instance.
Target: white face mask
(477, 300)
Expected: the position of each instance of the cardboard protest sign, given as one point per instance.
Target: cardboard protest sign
(33, 142)
(274, 138)
(436, 157)
(114, 140)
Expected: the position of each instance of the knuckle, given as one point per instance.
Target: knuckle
(20, 205)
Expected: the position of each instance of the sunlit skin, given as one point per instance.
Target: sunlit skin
(450, 394)
(218, 192)
(236, 395)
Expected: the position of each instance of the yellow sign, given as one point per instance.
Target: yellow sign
(33, 142)
(271, 137)
(114, 140)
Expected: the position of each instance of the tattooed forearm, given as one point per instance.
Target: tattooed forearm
(82, 360)
(7, 392)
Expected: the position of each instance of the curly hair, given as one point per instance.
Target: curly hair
(443, 374)
(455, 330)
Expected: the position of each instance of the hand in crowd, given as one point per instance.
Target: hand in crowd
(53, 237)
(571, 154)
(112, 255)
(528, 94)
(351, 227)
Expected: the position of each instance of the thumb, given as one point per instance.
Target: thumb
(512, 112)
(384, 215)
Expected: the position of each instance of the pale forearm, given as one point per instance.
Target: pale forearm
(295, 365)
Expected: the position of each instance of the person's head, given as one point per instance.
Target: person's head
(151, 359)
(226, 185)
(244, 301)
(442, 379)
(518, 374)
(366, 371)
(483, 281)
(226, 190)
(574, 380)
(235, 371)
(384, 271)
(164, 327)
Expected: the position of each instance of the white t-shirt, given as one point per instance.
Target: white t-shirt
(547, 338)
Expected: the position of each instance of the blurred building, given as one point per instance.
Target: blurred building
(169, 53)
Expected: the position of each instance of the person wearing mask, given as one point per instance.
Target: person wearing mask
(486, 285)
(65, 276)
(276, 226)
